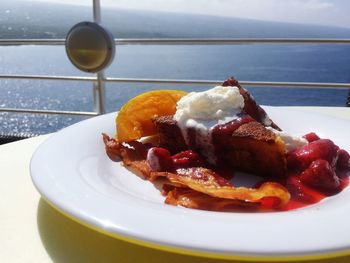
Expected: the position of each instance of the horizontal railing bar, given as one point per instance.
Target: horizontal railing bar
(245, 83)
(37, 42)
(182, 81)
(76, 113)
(187, 41)
(163, 81)
(46, 77)
(228, 41)
(297, 84)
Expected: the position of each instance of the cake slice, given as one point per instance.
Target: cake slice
(245, 143)
(250, 148)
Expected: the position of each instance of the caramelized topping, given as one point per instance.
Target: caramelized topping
(208, 182)
(192, 199)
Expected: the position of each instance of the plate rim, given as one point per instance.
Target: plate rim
(204, 254)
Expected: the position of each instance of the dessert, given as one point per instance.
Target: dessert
(197, 142)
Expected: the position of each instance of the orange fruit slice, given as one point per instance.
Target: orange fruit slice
(134, 119)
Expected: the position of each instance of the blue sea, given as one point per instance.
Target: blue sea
(309, 63)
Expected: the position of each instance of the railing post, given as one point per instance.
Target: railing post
(97, 11)
(99, 94)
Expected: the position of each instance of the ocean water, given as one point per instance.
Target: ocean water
(313, 63)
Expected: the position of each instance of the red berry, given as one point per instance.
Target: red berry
(320, 175)
(311, 137)
(187, 159)
(343, 162)
(159, 159)
(302, 157)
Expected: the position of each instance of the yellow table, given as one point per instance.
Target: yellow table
(33, 231)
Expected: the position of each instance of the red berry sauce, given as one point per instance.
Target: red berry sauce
(303, 195)
(230, 127)
(187, 159)
(316, 170)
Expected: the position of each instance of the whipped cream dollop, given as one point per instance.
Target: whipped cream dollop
(218, 104)
(291, 142)
(204, 110)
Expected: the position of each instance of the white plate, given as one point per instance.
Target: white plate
(73, 173)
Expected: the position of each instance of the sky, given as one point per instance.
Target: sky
(321, 12)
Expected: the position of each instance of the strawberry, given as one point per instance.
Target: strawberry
(320, 175)
(343, 162)
(302, 157)
(311, 137)
(159, 159)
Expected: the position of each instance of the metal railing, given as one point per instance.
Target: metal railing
(100, 79)
(161, 41)
(187, 41)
